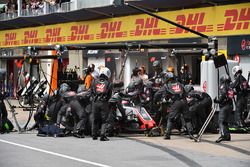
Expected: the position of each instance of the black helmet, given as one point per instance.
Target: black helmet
(138, 83)
(156, 64)
(188, 88)
(87, 70)
(135, 71)
(81, 88)
(130, 87)
(224, 79)
(116, 98)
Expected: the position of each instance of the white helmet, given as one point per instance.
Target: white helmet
(105, 71)
(236, 69)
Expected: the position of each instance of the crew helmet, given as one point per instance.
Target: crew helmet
(106, 72)
(130, 87)
(236, 69)
(170, 69)
(135, 71)
(116, 98)
(81, 89)
(169, 76)
(188, 88)
(63, 88)
(157, 66)
(138, 83)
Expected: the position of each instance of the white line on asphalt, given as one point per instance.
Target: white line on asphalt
(56, 154)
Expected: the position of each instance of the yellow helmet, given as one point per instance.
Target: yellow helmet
(170, 69)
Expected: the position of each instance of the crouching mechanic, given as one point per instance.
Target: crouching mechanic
(200, 105)
(72, 108)
(102, 92)
(41, 117)
(5, 124)
(115, 103)
(225, 101)
(176, 94)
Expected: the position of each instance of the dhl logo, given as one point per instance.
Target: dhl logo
(192, 21)
(235, 20)
(148, 26)
(10, 36)
(53, 35)
(10, 39)
(111, 30)
(30, 37)
(79, 33)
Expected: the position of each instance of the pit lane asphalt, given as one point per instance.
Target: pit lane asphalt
(28, 150)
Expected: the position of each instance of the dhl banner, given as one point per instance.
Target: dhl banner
(212, 21)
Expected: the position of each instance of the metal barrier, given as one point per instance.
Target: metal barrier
(45, 9)
(32, 12)
(65, 7)
(53, 9)
(8, 16)
(93, 3)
